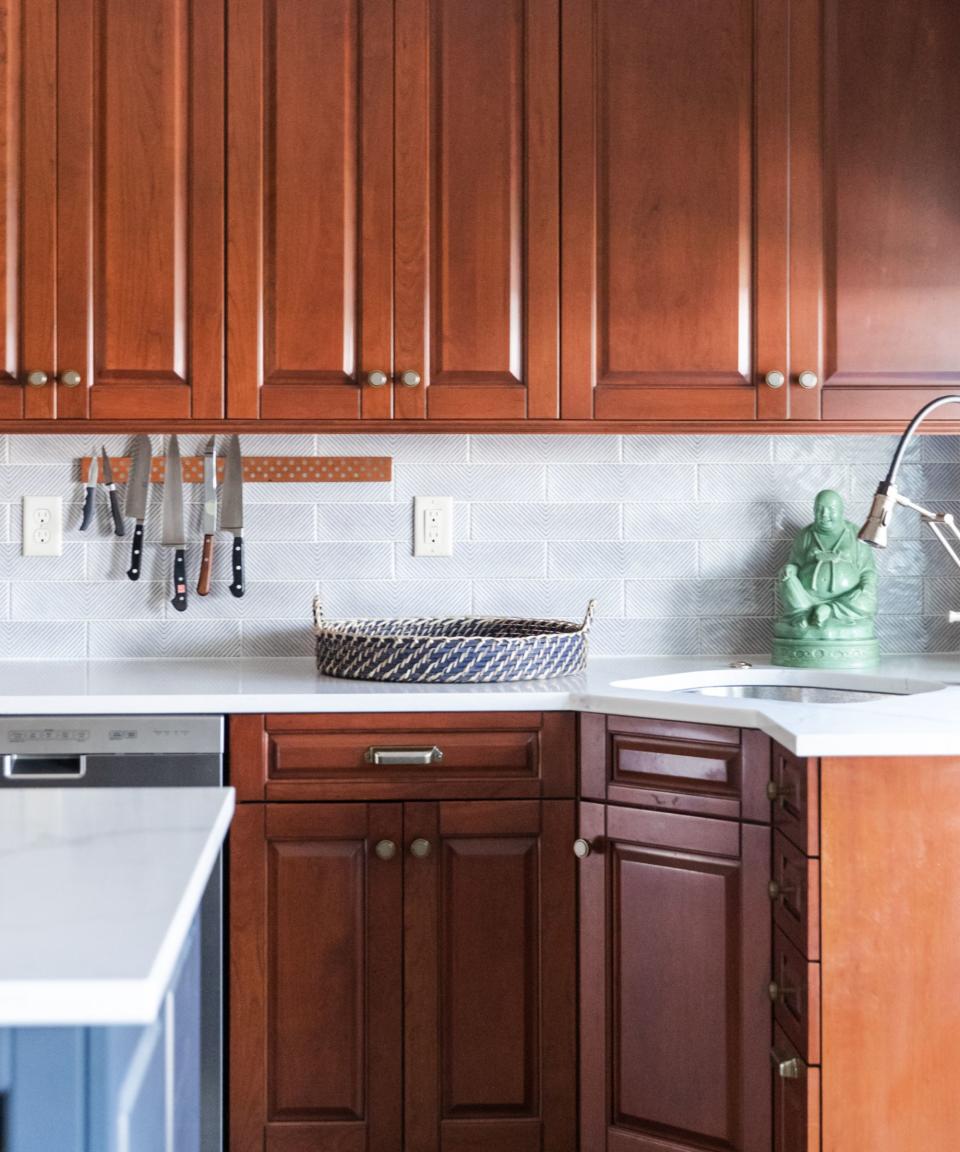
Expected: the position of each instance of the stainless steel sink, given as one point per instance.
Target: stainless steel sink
(789, 685)
(795, 693)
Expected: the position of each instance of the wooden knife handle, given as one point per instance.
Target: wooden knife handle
(236, 563)
(180, 580)
(206, 567)
(136, 553)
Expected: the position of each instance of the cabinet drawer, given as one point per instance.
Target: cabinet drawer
(795, 892)
(698, 769)
(795, 992)
(795, 794)
(796, 1099)
(516, 755)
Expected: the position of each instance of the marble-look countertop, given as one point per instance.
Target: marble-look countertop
(924, 724)
(98, 890)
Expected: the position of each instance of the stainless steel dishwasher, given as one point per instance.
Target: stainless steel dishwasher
(139, 752)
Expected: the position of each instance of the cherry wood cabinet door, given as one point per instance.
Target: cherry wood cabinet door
(310, 218)
(477, 208)
(661, 305)
(675, 956)
(140, 128)
(315, 979)
(490, 985)
(876, 192)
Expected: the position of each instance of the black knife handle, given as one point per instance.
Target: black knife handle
(119, 527)
(236, 564)
(88, 505)
(136, 555)
(180, 580)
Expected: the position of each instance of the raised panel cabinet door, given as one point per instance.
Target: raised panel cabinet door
(477, 209)
(876, 188)
(315, 978)
(660, 193)
(28, 206)
(489, 984)
(681, 979)
(310, 216)
(140, 127)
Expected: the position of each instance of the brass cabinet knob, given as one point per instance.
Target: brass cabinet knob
(420, 848)
(773, 890)
(37, 379)
(70, 378)
(773, 991)
(773, 790)
(808, 379)
(385, 849)
(410, 379)
(377, 379)
(786, 1067)
(582, 848)
(775, 379)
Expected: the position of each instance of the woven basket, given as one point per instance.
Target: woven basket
(465, 650)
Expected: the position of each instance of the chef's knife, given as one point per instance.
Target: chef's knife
(118, 525)
(209, 514)
(231, 510)
(173, 534)
(90, 498)
(138, 491)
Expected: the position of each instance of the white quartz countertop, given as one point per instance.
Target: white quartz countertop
(923, 724)
(98, 890)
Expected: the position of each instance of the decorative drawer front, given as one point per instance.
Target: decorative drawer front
(796, 1099)
(466, 756)
(702, 770)
(795, 795)
(795, 894)
(795, 992)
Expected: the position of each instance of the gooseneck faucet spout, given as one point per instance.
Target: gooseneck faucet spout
(944, 527)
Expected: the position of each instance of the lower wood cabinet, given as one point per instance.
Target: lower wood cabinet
(674, 966)
(403, 977)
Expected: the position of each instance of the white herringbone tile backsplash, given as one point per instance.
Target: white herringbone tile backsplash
(678, 538)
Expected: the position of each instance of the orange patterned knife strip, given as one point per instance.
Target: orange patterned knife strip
(268, 469)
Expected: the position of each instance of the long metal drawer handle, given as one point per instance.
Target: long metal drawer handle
(786, 1067)
(400, 756)
(17, 767)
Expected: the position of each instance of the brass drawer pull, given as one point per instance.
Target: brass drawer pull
(786, 1067)
(779, 891)
(775, 992)
(398, 757)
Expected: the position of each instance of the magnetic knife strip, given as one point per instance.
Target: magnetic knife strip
(268, 469)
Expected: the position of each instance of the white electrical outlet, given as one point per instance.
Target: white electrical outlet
(433, 526)
(42, 526)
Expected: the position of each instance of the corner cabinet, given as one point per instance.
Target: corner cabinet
(402, 968)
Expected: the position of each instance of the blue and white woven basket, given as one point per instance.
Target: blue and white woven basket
(464, 650)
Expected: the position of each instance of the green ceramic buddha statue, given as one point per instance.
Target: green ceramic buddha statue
(827, 595)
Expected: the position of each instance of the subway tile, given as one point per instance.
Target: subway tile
(19, 480)
(330, 493)
(545, 521)
(473, 482)
(276, 638)
(734, 483)
(337, 560)
(181, 638)
(473, 560)
(900, 596)
(920, 482)
(697, 449)
(840, 449)
(695, 598)
(5, 601)
(938, 449)
(543, 449)
(908, 634)
(374, 521)
(272, 444)
(734, 559)
(697, 521)
(925, 557)
(277, 522)
(106, 600)
(547, 598)
(612, 637)
(736, 636)
(275, 599)
(4, 449)
(393, 598)
(63, 568)
(66, 450)
(602, 483)
(5, 524)
(618, 560)
(426, 449)
(941, 596)
(43, 639)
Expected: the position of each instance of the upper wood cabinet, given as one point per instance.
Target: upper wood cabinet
(393, 209)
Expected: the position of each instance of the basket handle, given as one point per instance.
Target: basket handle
(317, 611)
(588, 617)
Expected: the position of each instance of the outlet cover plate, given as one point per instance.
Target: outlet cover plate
(433, 525)
(42, 526)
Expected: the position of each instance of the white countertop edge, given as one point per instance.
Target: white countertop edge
(96, 1003)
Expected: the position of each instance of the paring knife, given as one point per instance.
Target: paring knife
(173, 534)
(138, 491)
(231, 510)
(209, 514)
(90, 499)
(118, 525)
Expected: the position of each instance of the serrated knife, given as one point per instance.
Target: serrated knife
(119, 528)
(135, 506)
(231, 511)
(209, 514)
(173, 533)
(90, 496)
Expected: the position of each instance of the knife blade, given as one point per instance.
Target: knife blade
(231, 510)
(209, 514)
(89, 499)
(173, 534)
(118, 526)
(138, 491)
